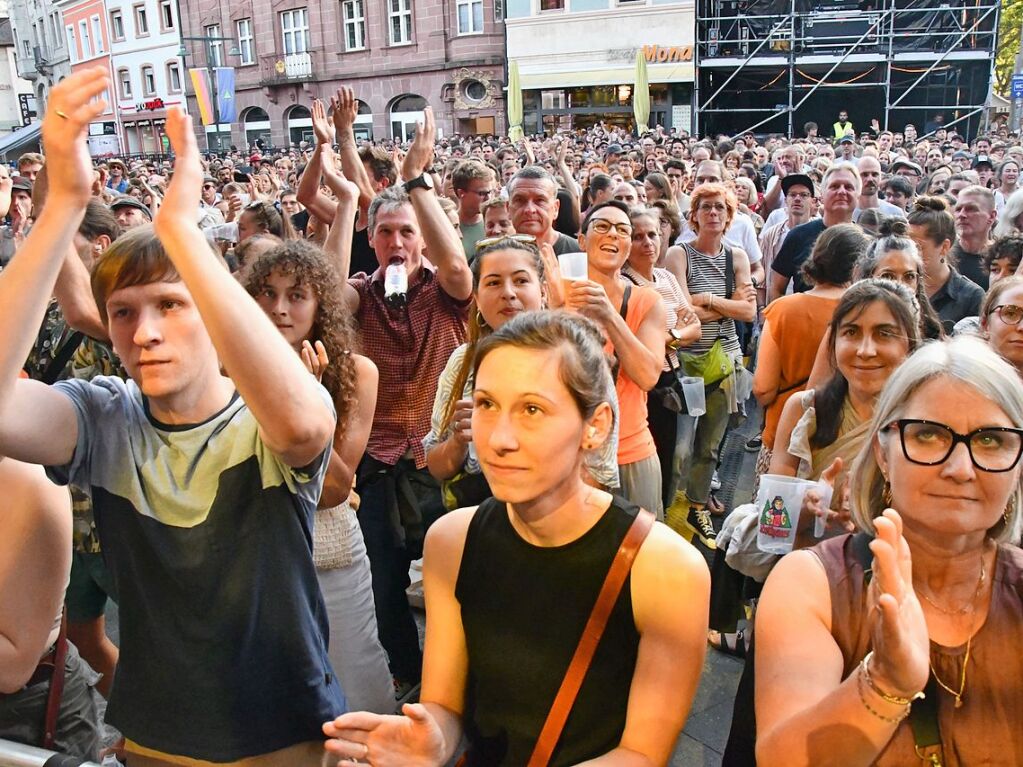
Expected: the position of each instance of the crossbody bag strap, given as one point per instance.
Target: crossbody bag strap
(570, 685)
(56, 693)
(624, 312)
(60, 361)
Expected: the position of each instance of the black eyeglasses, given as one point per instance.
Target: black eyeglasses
(928, 443)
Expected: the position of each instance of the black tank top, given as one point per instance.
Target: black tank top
(524, 608)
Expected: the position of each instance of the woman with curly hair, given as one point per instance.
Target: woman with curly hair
(301, 292)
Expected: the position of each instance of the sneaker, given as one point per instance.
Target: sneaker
(753, 444)
(698, 522)
(715, 481)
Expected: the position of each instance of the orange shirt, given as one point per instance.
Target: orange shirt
(797, 324)
(634, 439)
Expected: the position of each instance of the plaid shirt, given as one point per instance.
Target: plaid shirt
(410, 347)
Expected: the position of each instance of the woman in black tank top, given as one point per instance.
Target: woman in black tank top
(510, 584)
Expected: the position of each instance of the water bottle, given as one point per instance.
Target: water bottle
(395, 285)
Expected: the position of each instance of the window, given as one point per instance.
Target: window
(141, 21)
(245, 41)
(148, 81)
(72, 48)
(295, 31)
(400, 15)
(55, 28)
(354, 13)
(97, 34)
(216, 49)
(166, 15)
(174, 77)
(117, 25)
(83, 31)
(27, 46)
(124, 83)
(552, 5)
(470, 16)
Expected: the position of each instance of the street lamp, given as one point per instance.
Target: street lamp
(207, 41)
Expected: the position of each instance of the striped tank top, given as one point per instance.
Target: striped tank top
(706, 274)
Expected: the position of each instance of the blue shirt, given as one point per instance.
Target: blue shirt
(208, 538)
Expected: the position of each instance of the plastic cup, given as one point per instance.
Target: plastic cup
(573, 266)
(695, 394)
(779, 501)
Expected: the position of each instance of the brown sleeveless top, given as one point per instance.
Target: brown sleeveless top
(986, 730)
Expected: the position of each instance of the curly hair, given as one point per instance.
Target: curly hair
(332, 324)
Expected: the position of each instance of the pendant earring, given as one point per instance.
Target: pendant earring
(886, 494)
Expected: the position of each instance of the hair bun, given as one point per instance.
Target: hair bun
(930, 203)
(893, 226)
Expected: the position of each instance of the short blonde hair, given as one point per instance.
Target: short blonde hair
(965, 359)
(705, 191)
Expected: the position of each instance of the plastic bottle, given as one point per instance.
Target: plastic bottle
(395, 285)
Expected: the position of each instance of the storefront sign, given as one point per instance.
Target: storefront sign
(660, 54)
(149, 106)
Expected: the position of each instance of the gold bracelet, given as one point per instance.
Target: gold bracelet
(893, 699)
(860, 682)
(711, 304)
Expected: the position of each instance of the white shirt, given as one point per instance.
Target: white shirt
(741, 234)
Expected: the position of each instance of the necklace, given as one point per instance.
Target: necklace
(969, 608)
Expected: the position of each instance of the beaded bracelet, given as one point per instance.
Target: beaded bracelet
(861, 681)
(893, 699)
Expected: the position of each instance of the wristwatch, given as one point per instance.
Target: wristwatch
(676, 338)
(424, 181)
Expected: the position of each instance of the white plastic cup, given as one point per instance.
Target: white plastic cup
(779, 501)
(573, 266)
(695, 394)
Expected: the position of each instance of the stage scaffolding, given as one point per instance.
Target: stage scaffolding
(768, 66)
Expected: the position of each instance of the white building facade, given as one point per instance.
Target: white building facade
(577, 58)
(40, 45)
(149, 77)
(17, 100)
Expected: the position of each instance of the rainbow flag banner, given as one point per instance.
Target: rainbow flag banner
(203, 94)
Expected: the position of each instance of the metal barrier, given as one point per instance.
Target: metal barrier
(17, 755)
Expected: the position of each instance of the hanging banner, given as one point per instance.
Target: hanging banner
(203, 94)
(225, 94)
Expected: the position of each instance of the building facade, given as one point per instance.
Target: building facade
(398, 55)
(40, 45)
(577, 59)
(17, 100)
(148, 75)
(88, 45)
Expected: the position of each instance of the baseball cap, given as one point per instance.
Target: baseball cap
(255, 158)
(961, 155)
(847, 139)
(131, 202)
(797, 179)
(21, 184)
(982, 159)
(613, 149)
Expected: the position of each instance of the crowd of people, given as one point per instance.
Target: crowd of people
(241, 395)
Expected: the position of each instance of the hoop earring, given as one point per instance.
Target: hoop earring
(886, 494)
(479, 319)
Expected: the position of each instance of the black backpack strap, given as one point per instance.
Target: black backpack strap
(729, 272)
(59, 362)
(624, 311)
(923, 716)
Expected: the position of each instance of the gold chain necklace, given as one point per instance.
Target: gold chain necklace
(971, 607)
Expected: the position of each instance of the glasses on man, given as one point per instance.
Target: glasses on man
(482, 193)
(209, 186)
(1010, 314)
(603, 226)
(486, 242)
(928, 443)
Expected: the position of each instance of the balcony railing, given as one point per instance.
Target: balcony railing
(276, 69)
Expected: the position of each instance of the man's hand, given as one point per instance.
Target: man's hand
(345, 190)
(73, 104)
(182, 199)
(321, 125)
(346, 109)
(420, 153)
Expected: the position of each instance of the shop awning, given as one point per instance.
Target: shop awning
(20, 138)
(656, 73)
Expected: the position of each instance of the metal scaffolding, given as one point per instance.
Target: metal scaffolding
(771, 64)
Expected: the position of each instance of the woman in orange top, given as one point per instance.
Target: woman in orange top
(632, 319)
(794, 326)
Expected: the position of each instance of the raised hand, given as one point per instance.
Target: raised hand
(322, 128)
(344, 189)
(346, 109)
(901, 662)
(420, 153)
(412, 740)
(181, 202)
(315, 358)
(73, 104)
(552, 277)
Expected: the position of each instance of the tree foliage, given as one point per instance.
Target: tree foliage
(1008, 44)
